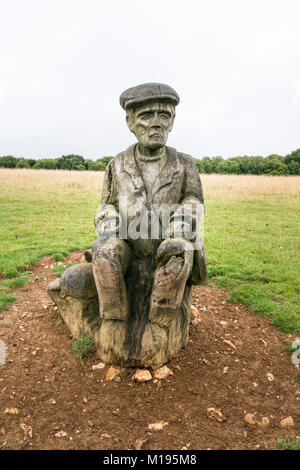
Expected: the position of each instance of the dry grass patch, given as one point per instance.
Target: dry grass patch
(246, 187)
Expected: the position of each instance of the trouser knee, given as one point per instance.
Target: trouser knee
(114, 249)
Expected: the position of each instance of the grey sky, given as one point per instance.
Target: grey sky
(64, 63)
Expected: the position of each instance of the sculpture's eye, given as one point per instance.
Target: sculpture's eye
(164, 117)
(146, 116)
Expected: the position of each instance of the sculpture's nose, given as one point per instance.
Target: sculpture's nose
(156, 120)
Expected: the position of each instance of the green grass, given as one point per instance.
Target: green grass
(43, 215)
(6, 300)
(297, 377)
(60, 256)
(5, 286)
(251, 250)
(252, 229)
(14, 282)
(288, 444)
(290, 348)
(52, 219)
(60, 268)
(83, 347)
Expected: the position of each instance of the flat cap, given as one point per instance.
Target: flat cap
(148, 92)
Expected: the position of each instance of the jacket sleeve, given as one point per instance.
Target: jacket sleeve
(107, 217)
(185, 221)
(192, 186)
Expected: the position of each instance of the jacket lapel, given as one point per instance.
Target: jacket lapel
(168, 171)
(166, 176)
(132, 170)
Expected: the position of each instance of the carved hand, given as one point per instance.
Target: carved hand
(107, 221)
(173, 247)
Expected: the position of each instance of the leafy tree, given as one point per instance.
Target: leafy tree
(95, 166)
(200, 165)
(274, 165)
(8, 161)
(276, 157)
(80, 167)
(207, 165)
(245, 164)
(91, 165)
(216, 162)
(295, 156)
(103, 162)
(256, 165)
(230, 166)
(294, 167)
(292, 161)
(31, 162)
(46, 163)
(22, 163)
(71, 162)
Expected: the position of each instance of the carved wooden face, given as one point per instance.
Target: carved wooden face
(151, 123)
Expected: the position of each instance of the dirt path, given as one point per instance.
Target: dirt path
(53, 391)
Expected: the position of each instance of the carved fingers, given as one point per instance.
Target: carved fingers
(107, 221)
(172, 247)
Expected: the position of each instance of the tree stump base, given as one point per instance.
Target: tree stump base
(137, 342)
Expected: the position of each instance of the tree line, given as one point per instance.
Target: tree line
(255, 165)
(65, 162)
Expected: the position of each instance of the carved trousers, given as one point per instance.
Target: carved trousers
(128, 283)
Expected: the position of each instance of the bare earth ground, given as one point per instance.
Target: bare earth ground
(54, 392)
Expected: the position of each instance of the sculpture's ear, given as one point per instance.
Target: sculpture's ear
(172, 122)
(129, 120)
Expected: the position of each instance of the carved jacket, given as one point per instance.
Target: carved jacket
(178, 183)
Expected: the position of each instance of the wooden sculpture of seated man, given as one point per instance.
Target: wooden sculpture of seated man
(149, 251)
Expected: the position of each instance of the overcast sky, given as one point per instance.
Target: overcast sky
(64, 64)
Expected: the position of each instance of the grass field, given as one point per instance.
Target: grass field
(252, 233)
